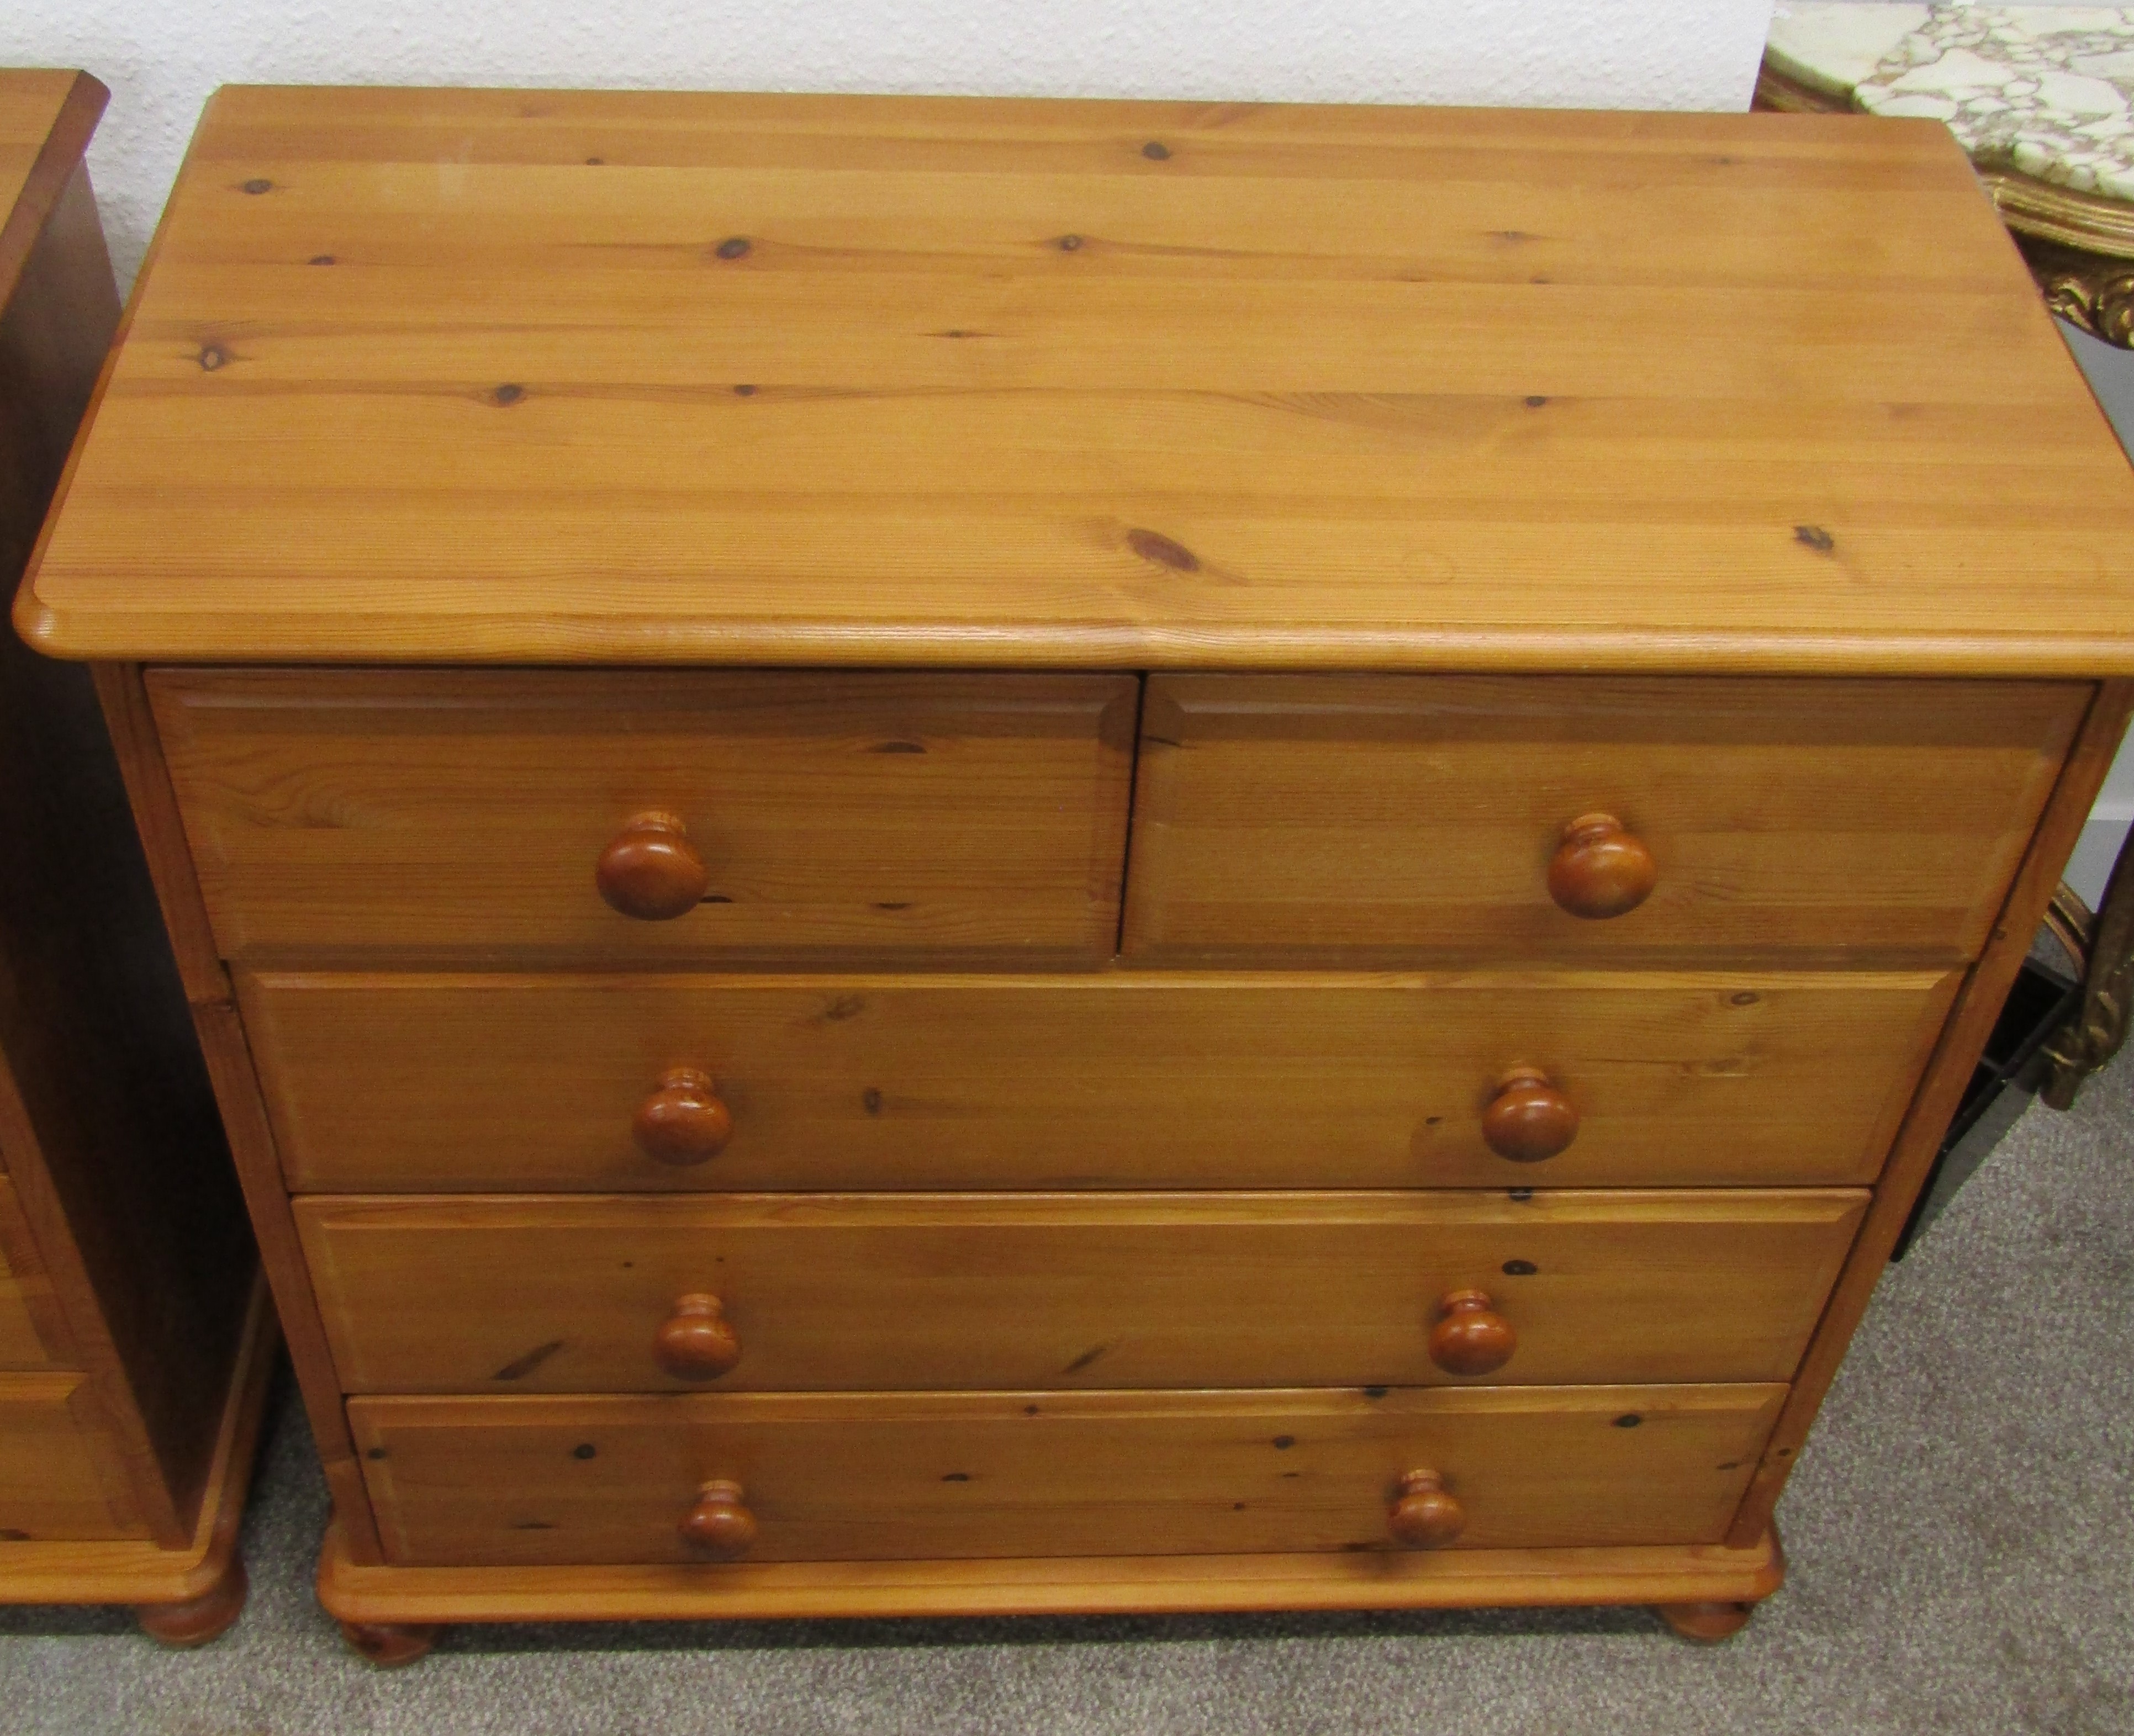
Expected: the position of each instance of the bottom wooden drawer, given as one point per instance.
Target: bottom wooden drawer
(50, 1490)
(876, 1476)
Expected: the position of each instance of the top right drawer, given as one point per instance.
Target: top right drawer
(1384, 818)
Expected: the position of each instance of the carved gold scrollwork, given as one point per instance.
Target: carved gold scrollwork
(2069, 298)
(2094, 1035)
(2087, 290)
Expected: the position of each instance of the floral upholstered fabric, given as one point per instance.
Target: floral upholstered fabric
(2046, 90)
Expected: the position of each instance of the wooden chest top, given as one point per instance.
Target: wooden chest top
(466, 376)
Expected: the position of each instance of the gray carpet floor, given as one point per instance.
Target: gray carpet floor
(1960, 1534)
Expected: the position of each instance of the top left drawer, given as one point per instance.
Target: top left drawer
(506, 815)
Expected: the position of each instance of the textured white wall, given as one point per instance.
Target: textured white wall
(162, 57)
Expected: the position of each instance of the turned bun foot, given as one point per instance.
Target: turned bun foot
(389, 1644)
(198, 1620)
(1706, 1624)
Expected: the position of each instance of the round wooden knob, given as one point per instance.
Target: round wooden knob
(682, 1121)
(718, 1524)
(1422, 1515)
(1471, 1336)
(1529, 1119)
(651, 871)
(1600, 870)
(696, 1342)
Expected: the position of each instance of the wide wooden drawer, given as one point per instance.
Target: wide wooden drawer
(422, 813)
(1380, 818)
(890, 1476)
(866, 1292)
(435, 1083)
(50, 1489)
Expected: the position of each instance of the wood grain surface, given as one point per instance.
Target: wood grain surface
(982, 387)
(1046, 1585)
(1381, 818)
(56, 1469)
(1919, 1140)
(119, 1177)
(862, 1293)
(572, 377)
(24, 1291)
(46, 120)
(235, 1084)
(137, 1570)
(20, 1346)
(888, 1475)
(462, 814)
(439, 1083)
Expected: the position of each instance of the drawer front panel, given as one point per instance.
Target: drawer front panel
(20, 1346)
(1375, 818)
(428, 814)
(49, 1488)
(542, 1481)
(874, 1292)
(435, 1084)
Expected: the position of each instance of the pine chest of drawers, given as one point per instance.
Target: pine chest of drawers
(978, 856)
